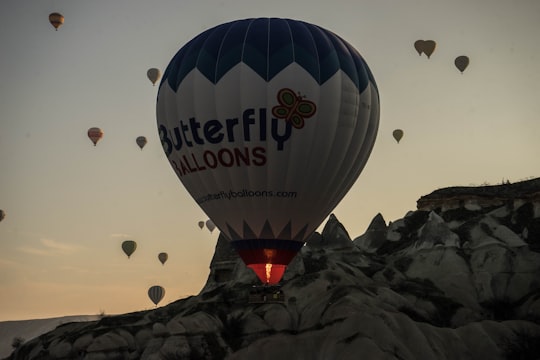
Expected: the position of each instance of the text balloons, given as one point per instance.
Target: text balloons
(267, 123)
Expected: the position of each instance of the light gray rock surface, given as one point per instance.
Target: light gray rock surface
(445, 283)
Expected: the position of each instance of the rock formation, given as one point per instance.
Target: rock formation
(444, 282)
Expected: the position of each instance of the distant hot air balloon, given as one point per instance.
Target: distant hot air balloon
(56, 20)
(462, 62)
(268, 123)
(156, 293)
(210, 225)
(163, 257)
(153, 75)
(2, 215)
(397, 134)
(419, 46)
(141, 141)
(429, 47)
(129, 247)
(201, 224)
(95, 134)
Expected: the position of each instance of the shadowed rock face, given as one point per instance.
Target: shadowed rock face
(460, 283)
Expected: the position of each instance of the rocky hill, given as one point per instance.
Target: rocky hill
(21, 330)
(448, 282)
(476, 197)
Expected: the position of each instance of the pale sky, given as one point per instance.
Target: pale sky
(69, 205)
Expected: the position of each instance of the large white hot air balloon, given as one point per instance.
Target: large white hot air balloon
(268, 123)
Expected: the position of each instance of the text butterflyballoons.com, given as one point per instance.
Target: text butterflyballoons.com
(268, 123)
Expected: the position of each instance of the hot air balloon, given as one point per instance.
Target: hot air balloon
(429, 47)
(56, 20)
(397, 134)
(153, 75)
(210, 225)
(2, 215)
(462, 62)
(201, 224)
(163, 257)
(156, 293)
(129, 247)
(268, 123)
(419, 46)
(141, 141)
(95, 134)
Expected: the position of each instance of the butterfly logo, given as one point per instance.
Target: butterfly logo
(293, 108)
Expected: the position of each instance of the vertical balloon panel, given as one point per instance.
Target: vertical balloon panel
(267, 123)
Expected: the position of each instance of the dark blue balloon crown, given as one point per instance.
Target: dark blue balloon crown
(268, 45)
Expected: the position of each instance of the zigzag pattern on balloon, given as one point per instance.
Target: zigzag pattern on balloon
(268, 234)
(250, 41)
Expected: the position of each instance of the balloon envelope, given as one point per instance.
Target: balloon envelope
(429, 47)
(267, 123)
(210, 225)
(156, 293)
(56, 20)
(163, 257)
(141, 141)
(153, 75)
(201, 224)
(461, 62)
(95, 134)
(129, 247)
(397, 134)
(419, 46)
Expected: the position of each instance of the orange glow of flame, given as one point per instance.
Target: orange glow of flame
(268, 272)
(269, 253)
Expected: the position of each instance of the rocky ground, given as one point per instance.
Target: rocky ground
(444, 284)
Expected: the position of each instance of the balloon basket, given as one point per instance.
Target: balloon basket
(261, 294)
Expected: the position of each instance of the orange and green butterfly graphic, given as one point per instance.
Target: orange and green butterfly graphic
(293, 108)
